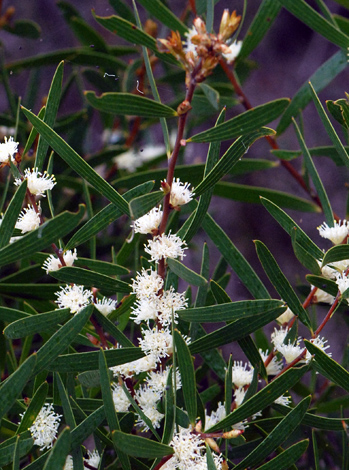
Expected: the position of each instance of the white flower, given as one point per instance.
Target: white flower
(144, 364)
(157, 380)
(147, 399)
(73, 297)
(148, 222)
(285, 317)
(45, 427)
(289, 351)
(180, 193)
(234, 50)
(8, 150)
(342, 282)
(169, 303)
(68, 463)
(215, 417)
(105, 306)
(28, 219)
(121, 401)
(165, 246)
(239, 395)
(337, 233)
(283, 400)
(156, 342)
(278, 336)
(133, 159)
(53, 264)
(322, 296)
(330, 271)
(241, 375)
(188, 45)
(320, 343)
(274, 366)
(147, 284)
(144, 310)
(37, 183)
(93, 458)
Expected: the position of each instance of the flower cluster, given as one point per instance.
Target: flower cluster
(53, 264)
(165, 246)
(149, 222)
(180, 192)
(37, 183)
(74, 297)
(8, 150)
(29, 219)
(189, 452)
(45, 427)
(203, 50)
(337, 233)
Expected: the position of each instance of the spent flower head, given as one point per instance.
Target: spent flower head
(37, 182)
(8, 150)
(44, 428)
(74, 297)
(93, 458)
(337, 233)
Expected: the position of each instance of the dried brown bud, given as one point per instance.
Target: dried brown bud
(151, 28)
(183, 108)
(228, 25)
(165, 187)
(199, 25)
(232, 434)
(213, 444)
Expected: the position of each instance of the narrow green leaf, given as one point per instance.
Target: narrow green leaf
(332, 370)
(319, 422)
(128, 104)
(61, 339)
(24, 28)
(252, 194)
(336, 253)
(322, 283)
(314, 175)
(34, 408)
(11, 215)
(107, 395)
(329, 128)
(281, 284)
(88, 278)
(87, 35)
(186, 369)
(229, 311)
(189, 276)
(211, 94)
(253, 355)
(105, 217)
(288, 225)
(36, 323)
(138, 446)
(205, 199)
(77, 163)
(320, 79)
(201, 293)
(169, 404)
(315, 21)
(304, 256)
(15, 464)
(102, 267)
(235, 259)
(287, 458)
(244, 123)
(51, 109)
(278, 435)
(75, 55)
(42, 237)
(234, 331)
(59, 452)
(209, 458)
(14, 384)
(8, 447)
(143, 204)
(219, 293)
(113, 330)
(164, 15)
(87, 427)
(230, 158)
(81, 362)
(263, 398)
(131, 33)
(264, 19)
